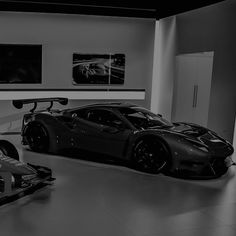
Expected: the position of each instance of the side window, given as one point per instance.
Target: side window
(104, 117)
(81, 113)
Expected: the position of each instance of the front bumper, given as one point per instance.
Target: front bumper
(214, 168)
(22, 185)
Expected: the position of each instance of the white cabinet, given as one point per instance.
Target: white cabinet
(192, 87)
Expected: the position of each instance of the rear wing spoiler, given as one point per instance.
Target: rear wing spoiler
(21, 102)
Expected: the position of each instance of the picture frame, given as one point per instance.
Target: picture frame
(98, 69)
(20, 64)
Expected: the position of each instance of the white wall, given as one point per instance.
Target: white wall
(61, 35)
(234, 141)
(213, 28)
(210, 28)
(164, 67)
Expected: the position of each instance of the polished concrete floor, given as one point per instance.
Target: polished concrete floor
(90, 198)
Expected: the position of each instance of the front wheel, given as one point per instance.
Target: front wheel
(150, 156)
(8, 149)
(37, 137)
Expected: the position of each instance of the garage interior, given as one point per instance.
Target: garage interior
(93, 198)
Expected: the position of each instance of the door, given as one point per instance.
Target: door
(102, 131)
(192, 88)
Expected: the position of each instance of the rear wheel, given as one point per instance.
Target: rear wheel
(8, 149)
(37, 137)
(150, 155)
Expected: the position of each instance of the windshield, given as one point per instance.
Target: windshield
(142, 118)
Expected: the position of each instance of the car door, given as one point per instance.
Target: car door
(102, 130)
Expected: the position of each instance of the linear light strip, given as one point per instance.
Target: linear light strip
(78, 5)
(81, 95)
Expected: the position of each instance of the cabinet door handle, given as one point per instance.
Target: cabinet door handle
(195, 93)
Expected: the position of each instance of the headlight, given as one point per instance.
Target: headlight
(228, 142)
(198, 145)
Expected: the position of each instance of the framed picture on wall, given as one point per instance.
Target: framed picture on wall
(20, 64)
(103, 69)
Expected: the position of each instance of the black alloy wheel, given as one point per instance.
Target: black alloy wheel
(37, 138)
(150, 156)
(8, 149)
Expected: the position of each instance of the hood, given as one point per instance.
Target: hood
(200, 135)
(187, 129)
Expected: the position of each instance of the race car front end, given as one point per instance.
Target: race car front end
(220, 159)
(201, 168)
(206, 156)
(18, 179)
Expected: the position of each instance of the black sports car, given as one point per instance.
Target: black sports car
(130, 133)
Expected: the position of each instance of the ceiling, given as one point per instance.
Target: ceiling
(127, 8)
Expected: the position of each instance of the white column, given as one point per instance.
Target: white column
(155, 77)
(234, 141)
(164, 67)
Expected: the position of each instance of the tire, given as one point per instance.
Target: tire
(37, 137)
(8, 149)
(151, 156)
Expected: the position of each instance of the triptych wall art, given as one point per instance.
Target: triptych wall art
(22, 64)
(105, 69)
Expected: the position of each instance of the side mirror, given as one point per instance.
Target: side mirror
(75, 116)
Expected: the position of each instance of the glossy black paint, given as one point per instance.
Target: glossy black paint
(194, 151)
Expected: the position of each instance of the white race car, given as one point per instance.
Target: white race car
(17, 178)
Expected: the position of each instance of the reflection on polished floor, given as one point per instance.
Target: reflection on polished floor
(90, 198)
